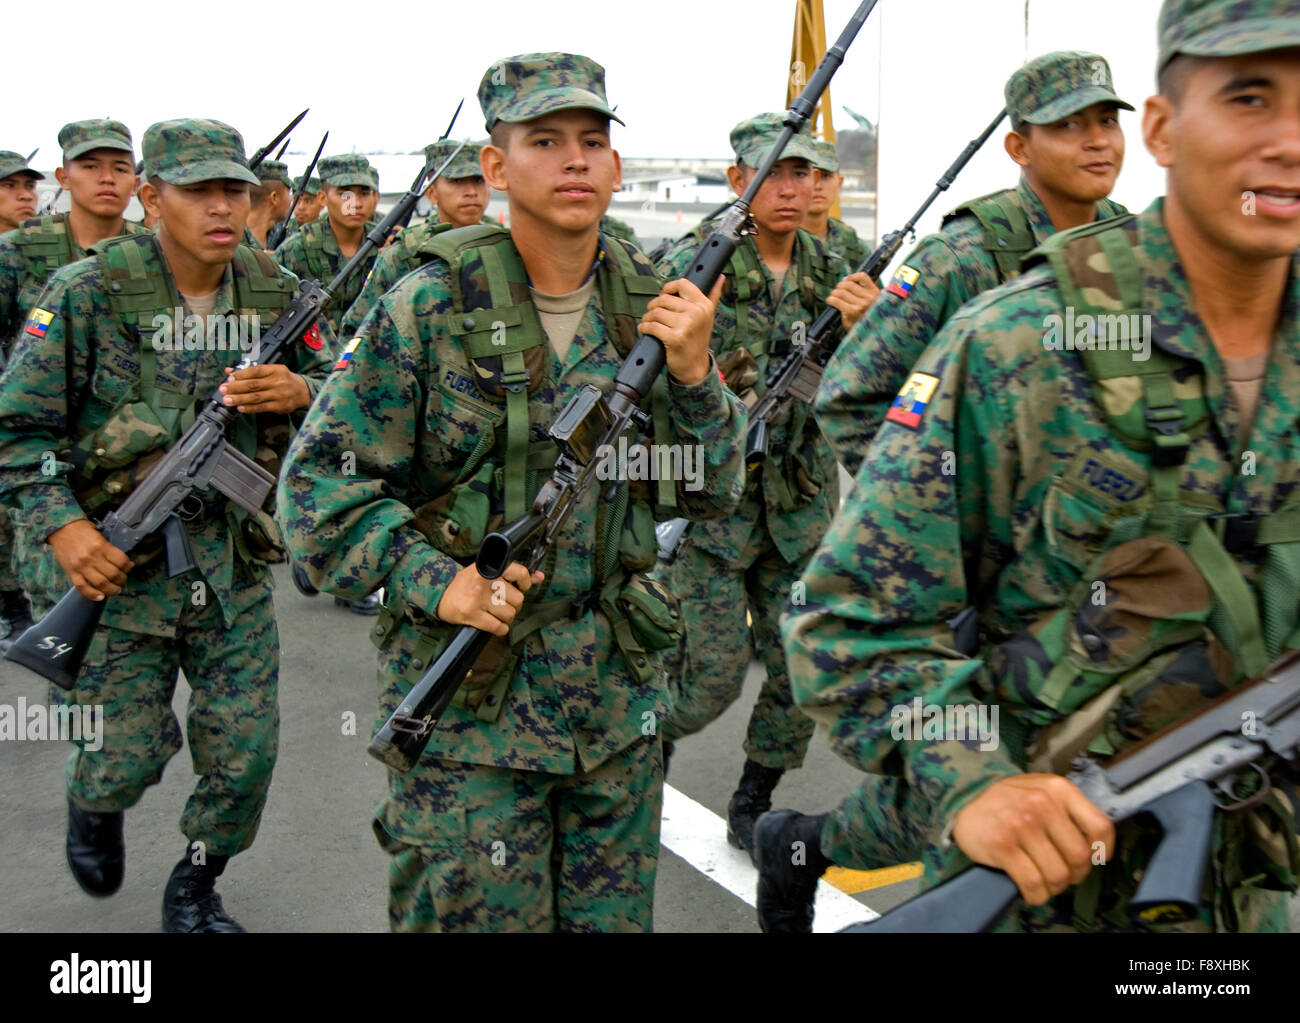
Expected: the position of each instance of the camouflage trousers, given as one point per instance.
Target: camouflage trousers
(706, 670)
(8, 577)
(482, 848)
(232, 722)
(877, 825)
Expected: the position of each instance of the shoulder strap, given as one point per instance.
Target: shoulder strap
(1007, 233)
(260, 287)
(45, 246)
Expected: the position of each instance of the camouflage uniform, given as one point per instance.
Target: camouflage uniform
(30, 255)
(998, 480)
(752, 558)
(313, 253)
(536, 803)
(78, 386)
(313, 188)
(618, 229)
(949, 268)
(840, 238)
(12, 163)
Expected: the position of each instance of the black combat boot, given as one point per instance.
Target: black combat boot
(752, 798)
(96, 853)
(368, 606)
(15, 617)
(668, 754)
(301, 581)
(788, 873)
(191, 904)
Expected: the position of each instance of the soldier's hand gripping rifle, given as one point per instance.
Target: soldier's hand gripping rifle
(201, 458)
(276, 235)
(586, 425)
(1181, 776)
(798, 375)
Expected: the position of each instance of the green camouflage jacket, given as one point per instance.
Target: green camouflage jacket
(844, 240)
(799, 459)
(21, 281)
(405, 406)
(395, 262)
(996, 487)
(74, 366)
(944, 272)
(314, 253)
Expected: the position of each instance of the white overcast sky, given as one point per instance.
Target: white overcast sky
(385, 75)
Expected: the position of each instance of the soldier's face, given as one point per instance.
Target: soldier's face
(782, 202)
(100, 182)
(206, 220)
(17, 200)
(826, 189)
(1077, 158)
(1231, 145)
(461, 201)
(308, 208)
(559, 170)
(351, 205)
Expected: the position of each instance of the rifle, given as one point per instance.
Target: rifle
(32, 155)
(283, 148)
(56, 646)
(276, 235)
(586, 426)
(407, 220)
(1168, 775)
(261, 154)
(798, 375)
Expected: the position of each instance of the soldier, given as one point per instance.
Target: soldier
(98, 174)
(101, 376)
(461, 195)
(321, 247)
(146, 221)
(778, 282)
(832, 232)
(536, 804)
(1067, 140)
(17, 191)
(1116, 512)
(270, 199)
(310, 205)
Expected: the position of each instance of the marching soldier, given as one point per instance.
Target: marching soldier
(17, 191)
(100, 377)
(270, 199)
(832, 232)
(536, 804)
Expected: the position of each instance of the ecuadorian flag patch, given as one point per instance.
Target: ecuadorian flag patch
(39, 322)
(346, 357)
(904, 281)
(913, 399)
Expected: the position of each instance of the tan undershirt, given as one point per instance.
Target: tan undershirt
(1246, 378)
(561, 315)
(201, 305)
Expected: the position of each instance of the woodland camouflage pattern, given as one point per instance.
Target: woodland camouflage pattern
(532, 85)
(1225, 28)
(872, 362)
(994, 500)
(753, 556)
(571, 714)
(83, 136)
(273, 170)
(1059, 84)
(190, 150)
(313, 253)
(348, 169)
(845, 242)
(466, 164)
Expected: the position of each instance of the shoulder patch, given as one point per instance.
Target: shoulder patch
(912, 400)
(904, 281)
(346, 357)
(312, 338)
(38, 322)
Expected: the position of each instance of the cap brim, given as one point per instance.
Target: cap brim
(208, 170)
(21, 170)
(1072, 103)
(549, 101)
(347, 180)
(1251, 35)
(797, 148)
(85, 147)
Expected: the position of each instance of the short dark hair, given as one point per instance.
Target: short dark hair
(1171, 82)
(1021, 127)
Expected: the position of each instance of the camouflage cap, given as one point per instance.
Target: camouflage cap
(273, 170)
(1226, 28)
(1059, 84)
(828, 156)
(190, 150)
(531, 85)
(13, 163)
(754, 138)
(313, 185)
(348, 169)
(466, 164)
(82, 136)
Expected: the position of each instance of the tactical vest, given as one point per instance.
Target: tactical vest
(1007, 234)
(1174, 620)
(313, 250)
(45, 244)
(489, 286)
(107, 463)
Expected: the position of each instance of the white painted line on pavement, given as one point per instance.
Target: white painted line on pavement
(699, 836)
